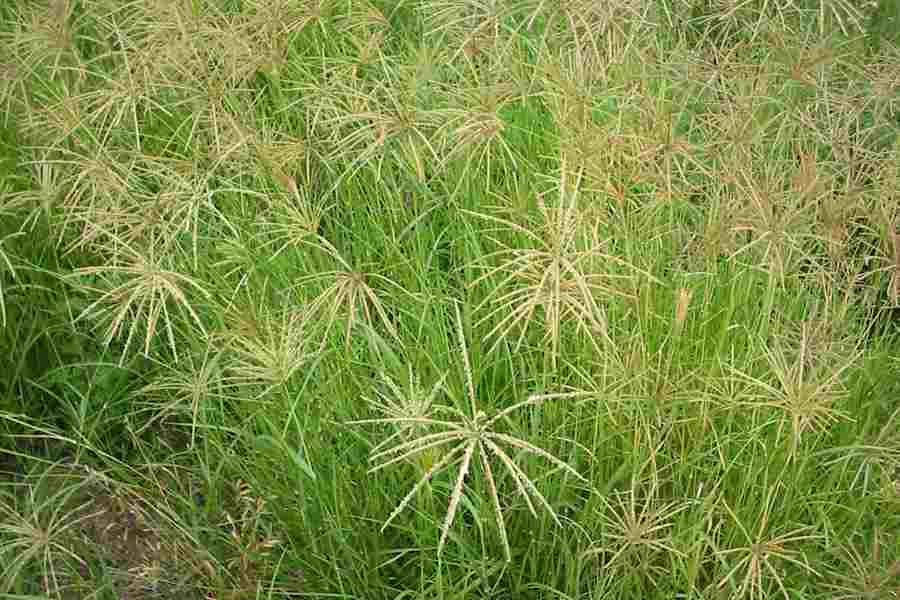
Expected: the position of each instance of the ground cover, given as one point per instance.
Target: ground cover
(449, 299)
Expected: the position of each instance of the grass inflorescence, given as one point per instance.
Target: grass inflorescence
(449, 299)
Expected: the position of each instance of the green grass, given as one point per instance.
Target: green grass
(449, 299)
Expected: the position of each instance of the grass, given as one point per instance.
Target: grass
(445, 299)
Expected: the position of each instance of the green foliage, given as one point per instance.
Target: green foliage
(444, 299)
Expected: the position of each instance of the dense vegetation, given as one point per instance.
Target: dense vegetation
(449, 299)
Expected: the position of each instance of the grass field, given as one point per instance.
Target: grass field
(447, 299)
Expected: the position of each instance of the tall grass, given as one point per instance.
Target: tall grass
(447, 299)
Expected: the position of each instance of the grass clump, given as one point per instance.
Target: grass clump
(441, 298)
